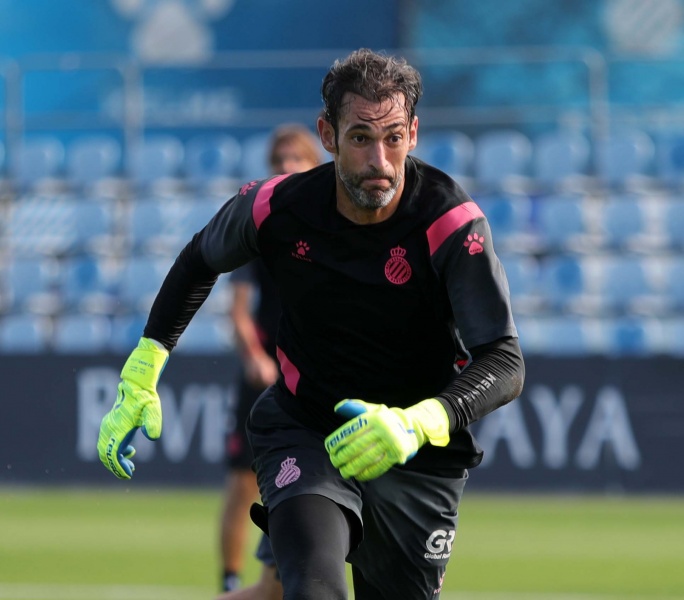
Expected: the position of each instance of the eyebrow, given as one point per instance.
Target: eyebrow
(366, 126)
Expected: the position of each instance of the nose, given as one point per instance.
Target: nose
(376, 158)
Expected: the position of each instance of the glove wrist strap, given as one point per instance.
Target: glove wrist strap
(145, 364)
(432, 419)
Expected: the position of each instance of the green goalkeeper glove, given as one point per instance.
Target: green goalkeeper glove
(137, 406)
(377, 437)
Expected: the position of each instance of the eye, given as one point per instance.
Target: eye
(358, 138)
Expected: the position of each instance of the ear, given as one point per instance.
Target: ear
(327, 134)
(413, 134)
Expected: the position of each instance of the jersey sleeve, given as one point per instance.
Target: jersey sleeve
(463, 254)
(230, 239)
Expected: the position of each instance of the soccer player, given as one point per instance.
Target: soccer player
(292, 149)
(396, 333)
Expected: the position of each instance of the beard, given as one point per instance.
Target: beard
(369, 199)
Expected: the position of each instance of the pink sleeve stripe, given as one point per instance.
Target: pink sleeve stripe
(262, 203)
(289, 371)
(449, 222)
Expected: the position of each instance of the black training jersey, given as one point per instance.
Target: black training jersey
(382, 312)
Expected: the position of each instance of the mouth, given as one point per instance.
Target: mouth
(380, 182)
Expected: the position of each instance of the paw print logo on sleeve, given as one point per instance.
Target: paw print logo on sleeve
(474, 243)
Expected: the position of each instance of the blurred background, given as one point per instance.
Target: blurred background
(125, 124)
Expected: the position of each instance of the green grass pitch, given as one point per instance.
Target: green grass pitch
(135, 544)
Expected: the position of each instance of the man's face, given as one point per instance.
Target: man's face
(289, 157)
(373, 141)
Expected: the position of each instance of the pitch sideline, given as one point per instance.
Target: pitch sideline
(65, 591)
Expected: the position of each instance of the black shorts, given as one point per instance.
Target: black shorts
(408, 518)
(238, 454)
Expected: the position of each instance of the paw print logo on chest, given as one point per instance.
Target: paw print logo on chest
(301, 250)
(474, 243)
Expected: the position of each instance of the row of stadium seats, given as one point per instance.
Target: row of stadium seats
(84, 334)
(498, 159)
(91, 284)
(553, 284)
(592, 285)
(585, 223)
(65, 224)
(551, 336)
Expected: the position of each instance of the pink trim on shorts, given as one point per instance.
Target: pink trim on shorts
(289, 371)
(262, 203)
(449, 222)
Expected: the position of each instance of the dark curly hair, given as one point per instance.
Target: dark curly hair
(373, 76)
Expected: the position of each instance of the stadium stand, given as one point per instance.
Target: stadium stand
(449, 151)
(81, 334)
(561, 160)
(156, 163)
(670, 160)
(625, 159)
(24, 333)
(503, 160)
(212, 163)
(593, 263)
(30, 285)
(92, 162)
(206, 334)
(38, 163)
(510, 219)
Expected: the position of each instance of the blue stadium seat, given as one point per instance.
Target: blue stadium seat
(624, 283)
(59, 224)
(522, 273)
(92, 159)
(157, 161)
(623, 223)
(562, 224)
(502, 160)
(30, 285)
(673, 283)
(673, 222)
(510, 219)
(670, 160)
(673, 336)
(80, 334)
(165, 225)
(88, 283)
(212, 161)
(24, 333)
(206, 334)
(558, 335)
(126, 331)
(38, 160)
(139, 281)
(561, 159)
(254, 163)
(633, 336)
(449, 151)
(624, 158)
(563, 280)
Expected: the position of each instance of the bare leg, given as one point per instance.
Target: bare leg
(240, 491)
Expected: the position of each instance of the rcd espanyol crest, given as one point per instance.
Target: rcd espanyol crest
(289, 472)
(397, 269)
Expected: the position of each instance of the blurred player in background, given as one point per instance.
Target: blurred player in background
(255, 313)
(396, 333)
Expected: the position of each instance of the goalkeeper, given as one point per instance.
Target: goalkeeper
(396, 334)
